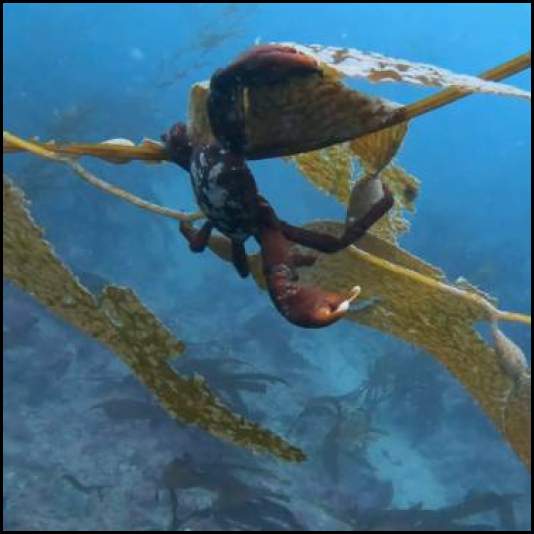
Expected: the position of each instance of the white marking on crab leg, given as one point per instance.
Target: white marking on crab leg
(353, 295)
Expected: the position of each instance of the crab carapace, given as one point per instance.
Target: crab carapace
(227, 194)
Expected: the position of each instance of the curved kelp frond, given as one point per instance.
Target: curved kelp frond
(413, 301)
(333, 170)
(120, 321)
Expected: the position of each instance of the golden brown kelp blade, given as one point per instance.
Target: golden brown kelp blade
(415, 303)
(332, 170)
(310, 112)
(304, 113)
(263, 143)
(298, 115)
(119, 320)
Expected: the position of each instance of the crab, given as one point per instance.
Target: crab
(227, 194)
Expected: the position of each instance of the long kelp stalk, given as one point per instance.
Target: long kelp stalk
(44, 152)
(450, 95)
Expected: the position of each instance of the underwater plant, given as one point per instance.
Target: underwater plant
(288, 100)
(349, 426)
(224, 376)
(236, 503)
(118, 409)
(117, 318)
(417, 518)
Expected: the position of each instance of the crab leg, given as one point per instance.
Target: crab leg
(197, 239)
(239, 258)
(178, 145)
(328, 243)
(306, 306)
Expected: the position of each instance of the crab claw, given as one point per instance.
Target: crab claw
(261, 65)
(306, 306)
(265, 64)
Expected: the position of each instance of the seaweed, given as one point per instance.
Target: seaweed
(414, 300)
(240, 506)
(117, 318)
(418, 518)
(121, 410)
(333, 171)
(350, 429)
(405, 379)
(237, 504)
(224, 377)
(447, 518)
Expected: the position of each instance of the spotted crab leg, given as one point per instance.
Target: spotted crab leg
(262, 65)
(305, 306)
(198, 240)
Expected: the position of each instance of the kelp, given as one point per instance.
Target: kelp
(350, 429)
(305, 114)
(376, 68)
(333, 171)
(242, 506)
(408, 380)
(415, 303)
(117, 319)
(413, 300)
(236, 502)
(301, 114)
(111, 150)
(226, 377)
(51, 152)
(121, 410)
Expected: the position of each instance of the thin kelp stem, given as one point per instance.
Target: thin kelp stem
(83, 173)
(468, 296)
(452, 94)
(108, 151)
(125, 195)
(513, 317)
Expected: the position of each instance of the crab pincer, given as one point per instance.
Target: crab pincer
(305, 306)
(261, 65)
(265, 64)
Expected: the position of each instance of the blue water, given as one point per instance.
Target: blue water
(84, 72)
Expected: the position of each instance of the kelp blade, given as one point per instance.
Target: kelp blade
(119, 320)
(416, 304)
